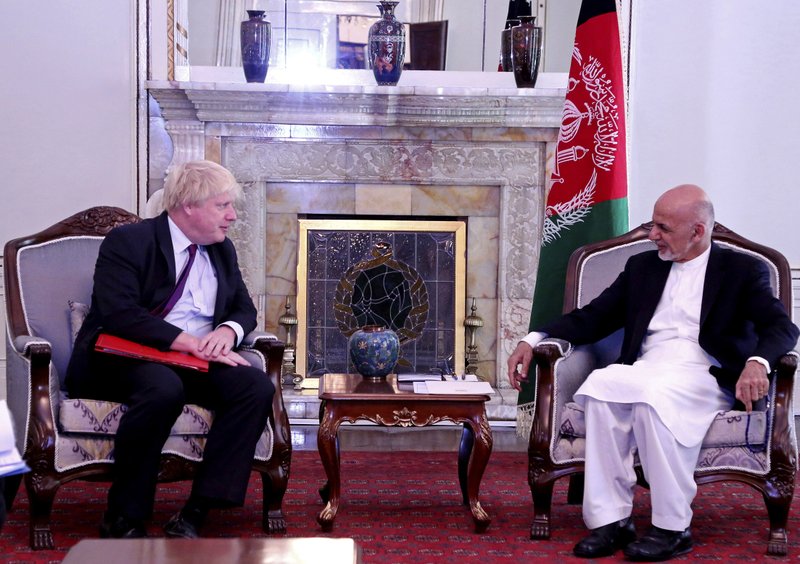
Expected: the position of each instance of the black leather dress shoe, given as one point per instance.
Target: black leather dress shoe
(606, 540)
(659, 544)
(121, 528)
(179, 527)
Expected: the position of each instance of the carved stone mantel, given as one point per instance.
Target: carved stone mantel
(395, 106)
(367, 136)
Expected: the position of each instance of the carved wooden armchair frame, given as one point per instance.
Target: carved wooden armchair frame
(553, 454)
(37, 399)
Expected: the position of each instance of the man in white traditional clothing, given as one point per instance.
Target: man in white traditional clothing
(701, 330)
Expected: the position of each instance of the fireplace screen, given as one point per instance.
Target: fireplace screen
(405, 275)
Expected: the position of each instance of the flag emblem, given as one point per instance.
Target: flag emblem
(588, 143)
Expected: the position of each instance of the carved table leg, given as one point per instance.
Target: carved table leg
(325, 490)
(464, 452)
(482, 448)
(329, 454)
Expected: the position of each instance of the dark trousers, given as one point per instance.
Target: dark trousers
(240, 396)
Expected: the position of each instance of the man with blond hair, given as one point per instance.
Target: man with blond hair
(701, 329)
(173, 282)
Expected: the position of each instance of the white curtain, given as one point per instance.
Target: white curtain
(228, 51)
(428, 11)
(181, 15)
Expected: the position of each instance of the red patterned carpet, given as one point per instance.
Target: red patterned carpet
(404, 507)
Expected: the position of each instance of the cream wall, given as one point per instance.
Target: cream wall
(714, 102)
(67, 110)
(67, 114)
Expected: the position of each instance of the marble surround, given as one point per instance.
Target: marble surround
(479, 153)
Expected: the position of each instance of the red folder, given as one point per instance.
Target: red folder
(112, 344)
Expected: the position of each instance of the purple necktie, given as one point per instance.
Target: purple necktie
(162, 310)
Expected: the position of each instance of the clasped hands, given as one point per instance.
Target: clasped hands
(216, 346)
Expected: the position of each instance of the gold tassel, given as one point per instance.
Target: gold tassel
(525, 419)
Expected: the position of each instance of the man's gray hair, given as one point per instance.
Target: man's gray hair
(705, 213)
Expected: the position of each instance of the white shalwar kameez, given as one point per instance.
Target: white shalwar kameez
(662, 406)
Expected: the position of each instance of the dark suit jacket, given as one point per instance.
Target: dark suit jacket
(739, 316)
(135, 272)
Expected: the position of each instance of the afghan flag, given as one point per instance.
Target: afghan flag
(587, 201)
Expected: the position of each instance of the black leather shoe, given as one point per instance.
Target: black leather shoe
(180, 528)
(659, 544)
(606, 540)
(121, 528)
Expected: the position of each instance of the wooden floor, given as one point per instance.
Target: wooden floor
(386, 439)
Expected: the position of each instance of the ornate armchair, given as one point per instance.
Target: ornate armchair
(758, 449)
(47, 276)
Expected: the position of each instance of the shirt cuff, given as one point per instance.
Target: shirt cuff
(533, 338)
(762, 361)
(236, 329)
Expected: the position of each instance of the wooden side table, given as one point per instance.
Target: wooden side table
(351, 397)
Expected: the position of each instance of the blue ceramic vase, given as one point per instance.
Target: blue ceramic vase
(387, 45)
(255, 35)
(374, 350)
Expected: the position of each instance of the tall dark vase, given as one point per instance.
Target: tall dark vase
(387, 45)
(255, 36)
(505, 45)
(526, 50)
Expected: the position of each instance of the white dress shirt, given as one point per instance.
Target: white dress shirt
(194, 311)
(674, 330)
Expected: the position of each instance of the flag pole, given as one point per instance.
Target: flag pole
(588, 189)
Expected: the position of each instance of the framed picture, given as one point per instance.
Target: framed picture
(407, 275)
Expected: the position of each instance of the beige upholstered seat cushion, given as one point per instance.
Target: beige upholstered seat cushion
(735, 439)
(729, 428)
(87, 428)
(97, 417)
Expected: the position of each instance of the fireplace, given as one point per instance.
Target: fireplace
(479, 155)
(406, 275)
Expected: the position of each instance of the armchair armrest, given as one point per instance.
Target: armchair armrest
(560, 370)
(553, 349)
(784, 440)
(251, 339)
(27, 345)
(33, 390)
(268, 345)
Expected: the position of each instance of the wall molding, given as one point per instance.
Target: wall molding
(3, 332)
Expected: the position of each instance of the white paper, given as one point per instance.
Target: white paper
(461, 387)
(10, 460)
(310, 384)
(417, 377)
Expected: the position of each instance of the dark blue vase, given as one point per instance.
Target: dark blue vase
(505, 46)
(374, 350)
(255, 35)
(526, 50)
(387, 45)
